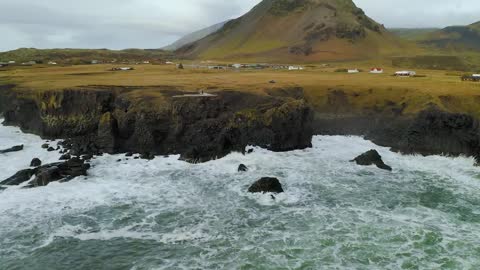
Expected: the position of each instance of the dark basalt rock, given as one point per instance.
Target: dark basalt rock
(242, 168)
(265, 185)
(12, 149)
(372, 157)
(197, 128)
(50, 149)
(129, 154)
(60, 171)
(65, 157)
(35, 162)
(19, 178)
(45, 146)
(147, 156)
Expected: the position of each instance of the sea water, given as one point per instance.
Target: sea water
(168, 214)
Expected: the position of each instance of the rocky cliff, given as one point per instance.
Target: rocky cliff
(113, 120)
(199, 128)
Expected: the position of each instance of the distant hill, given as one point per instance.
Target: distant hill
(412, 34)
(81, 56)
(297, 30)
(192, 37)
(455, 38)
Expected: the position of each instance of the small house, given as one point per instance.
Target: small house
(295, 68)
(376, 70)
(11, 62)
(94, 62)
(353, 71)
(52, 63)
(405, 73)
(169, 63)
(476, 75)
(237, 65)
(122, 69)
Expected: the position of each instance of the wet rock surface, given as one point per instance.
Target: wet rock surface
(372, 157)
(44, 175)
(35, 162)
(266, 185)
(12, 149)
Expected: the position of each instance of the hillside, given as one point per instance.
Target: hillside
(298, 30)
(455, 38)
(81, 56)
(412, 34)
(192, 37)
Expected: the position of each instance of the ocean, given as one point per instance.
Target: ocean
(169, 214)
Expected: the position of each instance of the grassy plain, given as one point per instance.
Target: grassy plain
(366, 93)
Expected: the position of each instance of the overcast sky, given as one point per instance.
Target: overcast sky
(119, 24)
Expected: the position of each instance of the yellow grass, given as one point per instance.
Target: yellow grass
(366, 92)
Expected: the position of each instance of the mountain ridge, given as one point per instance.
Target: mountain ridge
(297, 30)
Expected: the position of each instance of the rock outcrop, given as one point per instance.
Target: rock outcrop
(372, 157)
(242, 168)
(266, 185)
(12, 149)
(199, 128)
(44, 175)
(35, 162)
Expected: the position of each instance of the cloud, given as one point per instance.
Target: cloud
(119, 24)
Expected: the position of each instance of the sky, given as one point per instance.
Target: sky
(120, 24)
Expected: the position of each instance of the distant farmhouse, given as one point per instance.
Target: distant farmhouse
(353, 70)
(405, 73)
(472, 78)
(376, 70)
(295, 68)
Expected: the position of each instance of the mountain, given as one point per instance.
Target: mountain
(413, 34)
(297, 30)
(192, 37)
(455, 38)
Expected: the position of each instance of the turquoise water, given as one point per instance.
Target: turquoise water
(167, 214)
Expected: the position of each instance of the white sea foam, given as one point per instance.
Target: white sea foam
(333, 214)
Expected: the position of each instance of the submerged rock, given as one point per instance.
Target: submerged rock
(265, 185)
(12, 149)
(45, 146)
(372, 157)
(242, 168)
(35, 162)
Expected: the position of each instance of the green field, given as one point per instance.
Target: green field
(366, 93)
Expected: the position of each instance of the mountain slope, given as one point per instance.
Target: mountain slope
(192, 37)
(455, 38)
(297, 30)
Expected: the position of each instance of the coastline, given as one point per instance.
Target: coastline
(201, 128)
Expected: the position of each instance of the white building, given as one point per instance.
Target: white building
(11, 62)
(353, 71)
(405, 73)
(237, 65)
(52, 63)
(295, 68)
(476, 75)
(376, 70)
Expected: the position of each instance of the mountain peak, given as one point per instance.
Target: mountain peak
(295, 29)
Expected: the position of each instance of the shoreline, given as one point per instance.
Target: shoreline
(202, 129)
